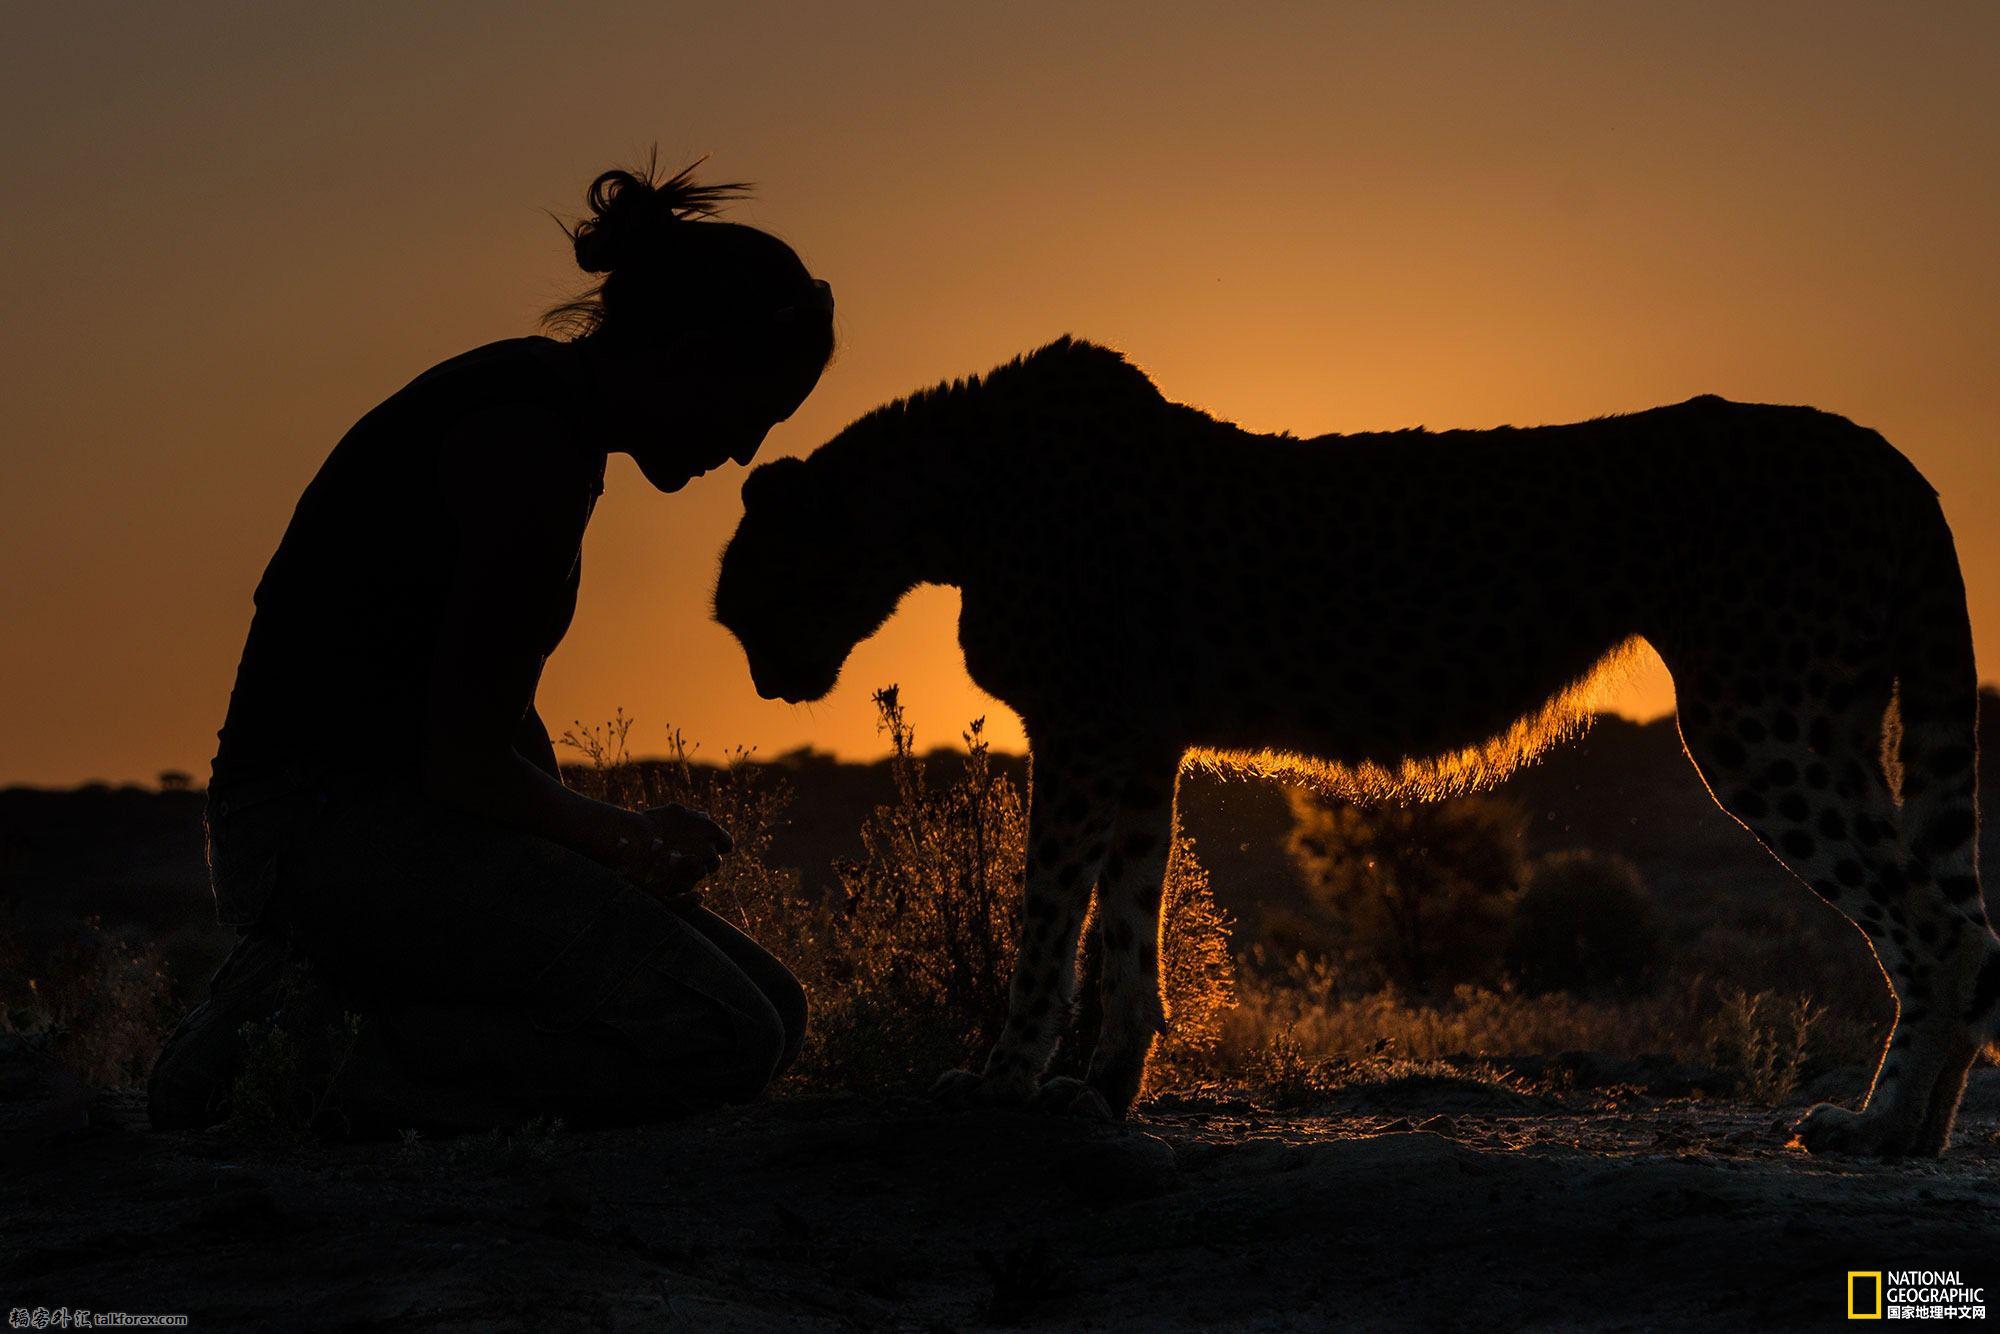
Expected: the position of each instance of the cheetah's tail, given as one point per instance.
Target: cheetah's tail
(1938, 702)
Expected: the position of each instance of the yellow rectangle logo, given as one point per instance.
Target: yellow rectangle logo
(1864, 1294)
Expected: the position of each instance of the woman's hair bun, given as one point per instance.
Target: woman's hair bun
(632, 213)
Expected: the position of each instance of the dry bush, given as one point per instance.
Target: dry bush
(925, 922)
(102, 1005)
(286, 1091)
(1197, 970)
(925, 933)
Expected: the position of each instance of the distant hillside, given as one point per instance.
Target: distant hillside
(134, 855)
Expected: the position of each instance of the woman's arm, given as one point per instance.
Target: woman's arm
(509, 487)
(531, 743)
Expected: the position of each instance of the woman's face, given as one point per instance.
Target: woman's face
(700, 411)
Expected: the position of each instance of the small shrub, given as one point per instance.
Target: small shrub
(927, 923)
(268, 1099)
(1284, 1072)
(923, 940)
(1197, 970)
(285, 1091)
(1583, 924)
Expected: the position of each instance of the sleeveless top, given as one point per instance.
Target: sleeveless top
(336, 668)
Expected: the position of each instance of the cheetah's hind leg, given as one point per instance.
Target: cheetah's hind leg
(1129, 892)
(1129, 889)
(1938, 824)
(1808, 781)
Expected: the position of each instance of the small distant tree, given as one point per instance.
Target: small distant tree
(1424, 891)
(1584, 924)
(175, 780)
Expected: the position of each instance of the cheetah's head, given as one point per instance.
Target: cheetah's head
(797, 586)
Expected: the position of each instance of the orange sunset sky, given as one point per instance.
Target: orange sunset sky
(229, 231)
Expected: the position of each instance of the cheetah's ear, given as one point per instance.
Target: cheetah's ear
(770, 481)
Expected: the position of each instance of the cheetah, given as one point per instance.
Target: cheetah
(1401, 615)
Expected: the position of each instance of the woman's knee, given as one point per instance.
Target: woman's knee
(717, 1043)
(758, 1052)
(773, 1049)
(749, 962)
(788, 999)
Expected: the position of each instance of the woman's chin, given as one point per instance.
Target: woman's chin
(664, 476)
(672, 476)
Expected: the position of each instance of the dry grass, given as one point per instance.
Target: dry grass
(906, 960)
(1295, 1025)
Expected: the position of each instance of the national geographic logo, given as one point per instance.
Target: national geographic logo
(1864, 1294)
(1912, 1294)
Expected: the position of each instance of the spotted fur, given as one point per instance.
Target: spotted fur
(1409, 612)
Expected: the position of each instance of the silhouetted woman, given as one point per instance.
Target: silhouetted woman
(515, 948)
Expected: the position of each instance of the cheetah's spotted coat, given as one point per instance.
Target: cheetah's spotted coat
(1140, 580)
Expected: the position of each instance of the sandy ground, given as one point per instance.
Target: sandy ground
(1400, 1203)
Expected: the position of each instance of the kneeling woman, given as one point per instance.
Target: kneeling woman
(516, 948)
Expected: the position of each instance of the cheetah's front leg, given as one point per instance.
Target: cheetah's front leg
(1070, 808)
(1129, 890)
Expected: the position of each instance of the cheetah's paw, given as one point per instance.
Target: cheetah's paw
(1830, 1129)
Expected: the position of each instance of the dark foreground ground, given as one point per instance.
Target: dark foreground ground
(1606, 1204)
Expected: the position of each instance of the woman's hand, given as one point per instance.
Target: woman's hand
(689, 832)
(671, 850)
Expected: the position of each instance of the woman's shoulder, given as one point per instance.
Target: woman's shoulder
(516, 396)
(522, 380)
(524, 417)
(510, 367)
